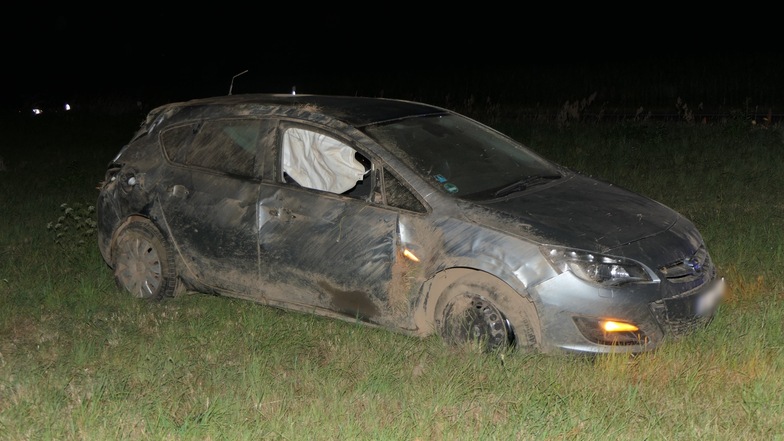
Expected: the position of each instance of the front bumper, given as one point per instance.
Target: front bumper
(565, 300)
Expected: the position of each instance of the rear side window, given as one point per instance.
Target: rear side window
(229, 146)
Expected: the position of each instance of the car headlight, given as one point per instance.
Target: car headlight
(597, 268)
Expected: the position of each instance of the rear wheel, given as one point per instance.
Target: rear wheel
(480, 309)
(143, 261)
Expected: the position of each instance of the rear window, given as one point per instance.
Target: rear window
(229, 146)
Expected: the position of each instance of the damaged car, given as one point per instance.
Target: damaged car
(400, 215)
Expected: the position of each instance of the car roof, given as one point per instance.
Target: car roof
(352, 110)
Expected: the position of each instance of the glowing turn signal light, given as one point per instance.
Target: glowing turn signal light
(611, 326)
(410, 255)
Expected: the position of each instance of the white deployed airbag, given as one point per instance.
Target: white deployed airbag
(318, 161)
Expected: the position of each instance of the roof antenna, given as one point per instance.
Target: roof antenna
(231, 86)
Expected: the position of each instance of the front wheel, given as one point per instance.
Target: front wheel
(143, 261)
(483, 310)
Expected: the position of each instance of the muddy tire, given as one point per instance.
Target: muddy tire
(143, 262)
(480, 309)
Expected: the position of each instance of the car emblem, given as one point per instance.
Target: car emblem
(694, 264)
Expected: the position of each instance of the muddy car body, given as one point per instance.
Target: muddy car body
(400, 215)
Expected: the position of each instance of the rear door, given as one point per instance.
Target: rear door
(210, 199)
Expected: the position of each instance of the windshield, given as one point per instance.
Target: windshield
(462, 157)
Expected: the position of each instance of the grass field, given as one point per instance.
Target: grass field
(81, 360)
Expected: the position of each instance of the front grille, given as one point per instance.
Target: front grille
(675, 326)
(689, 268)
(677, 315)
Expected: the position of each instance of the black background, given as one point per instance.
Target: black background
(146, 55)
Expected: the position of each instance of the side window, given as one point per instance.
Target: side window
(314, 160)
(176, 141)
(398, 195)
(228, 146)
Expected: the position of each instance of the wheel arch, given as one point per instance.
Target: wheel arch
(448, 283)
(121, 226)
(146, 263)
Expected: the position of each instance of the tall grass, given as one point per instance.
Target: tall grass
(81, 360)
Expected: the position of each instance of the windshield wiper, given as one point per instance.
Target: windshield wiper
(525, 183)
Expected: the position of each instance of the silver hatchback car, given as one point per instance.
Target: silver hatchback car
(400, 215)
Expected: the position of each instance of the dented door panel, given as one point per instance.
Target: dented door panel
(330, 251)
(212, 219)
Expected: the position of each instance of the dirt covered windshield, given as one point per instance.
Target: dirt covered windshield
(462, 157)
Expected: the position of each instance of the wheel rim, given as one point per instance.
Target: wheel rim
(138, 266)
(473, 319)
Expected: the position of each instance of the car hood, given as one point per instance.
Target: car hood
(581, 212)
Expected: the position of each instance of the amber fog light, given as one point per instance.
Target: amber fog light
(610, 332)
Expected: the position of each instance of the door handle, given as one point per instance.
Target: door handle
(179, 191)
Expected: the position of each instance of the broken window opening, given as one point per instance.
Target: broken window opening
(317, 161)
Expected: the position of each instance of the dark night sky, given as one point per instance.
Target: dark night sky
(144, 53)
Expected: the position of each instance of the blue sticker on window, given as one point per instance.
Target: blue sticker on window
(452, 188)
(440, 179)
